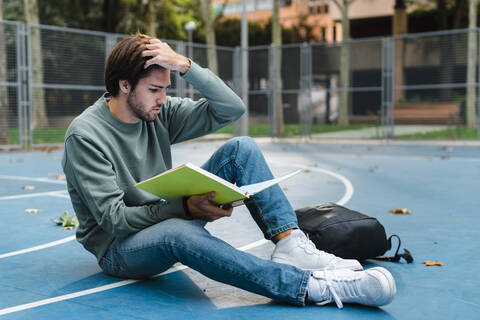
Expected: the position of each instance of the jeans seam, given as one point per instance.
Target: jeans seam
(258, 212)
(301, 297)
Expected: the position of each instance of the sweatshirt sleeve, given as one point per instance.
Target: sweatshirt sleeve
(93, 178)
(187, 119)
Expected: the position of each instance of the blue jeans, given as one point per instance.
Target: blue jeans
(156, 248)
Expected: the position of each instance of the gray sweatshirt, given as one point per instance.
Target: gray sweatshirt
(104, 158)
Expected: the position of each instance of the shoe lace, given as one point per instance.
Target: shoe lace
(310, 248)
(337, 288)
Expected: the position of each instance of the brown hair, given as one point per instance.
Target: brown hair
(125, 62)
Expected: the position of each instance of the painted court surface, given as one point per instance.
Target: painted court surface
(440, 184)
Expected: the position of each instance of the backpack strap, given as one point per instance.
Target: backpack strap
(397, 256)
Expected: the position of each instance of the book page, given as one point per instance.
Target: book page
(252, 189)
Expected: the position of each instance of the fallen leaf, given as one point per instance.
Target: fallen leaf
(66, 222)
(61, 177)
(400, 211)
(32, 210)
(68, 228)
(28, 187)
(47, 149)
(432, 263)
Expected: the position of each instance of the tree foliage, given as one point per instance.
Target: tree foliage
(127, 16)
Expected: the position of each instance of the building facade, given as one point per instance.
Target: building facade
(374, 17)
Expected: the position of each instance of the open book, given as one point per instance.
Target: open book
(188, 180)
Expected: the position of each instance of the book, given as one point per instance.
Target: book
(188, 179)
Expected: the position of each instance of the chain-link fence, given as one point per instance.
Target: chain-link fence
(12, 84)
(403, 86)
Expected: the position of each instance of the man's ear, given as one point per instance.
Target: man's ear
(124, 86)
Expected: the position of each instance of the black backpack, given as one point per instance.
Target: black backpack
(347, 234)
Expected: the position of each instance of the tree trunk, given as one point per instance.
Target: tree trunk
(110, 9)
(210, 35)
(400, 21)
(149, 17)
(343, 116)
(38, 96)
(460, 6)
(278, 128)
(4, 109)
(471, 115)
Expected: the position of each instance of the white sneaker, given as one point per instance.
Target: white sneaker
(373, 287)
(299, 251)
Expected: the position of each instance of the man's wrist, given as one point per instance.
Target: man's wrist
(185, 66)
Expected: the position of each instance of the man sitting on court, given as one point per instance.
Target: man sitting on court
(125, 137)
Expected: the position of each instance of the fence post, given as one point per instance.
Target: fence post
(305, 104)
(179, 82)
(477, 80)
(27, 90)
(272, 93)
(240, 72)
(387, 110)
(22, 85)
(110, 41)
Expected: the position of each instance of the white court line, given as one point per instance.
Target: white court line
(33, 179)
(60, 194)
(347, 196)
(36, 248)
(349, 190)
(122, 283)
(56, 193)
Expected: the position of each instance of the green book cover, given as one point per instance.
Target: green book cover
(188, 180)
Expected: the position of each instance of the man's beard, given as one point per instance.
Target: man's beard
(137, 109)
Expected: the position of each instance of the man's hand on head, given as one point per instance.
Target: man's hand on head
(161, 54)
(201, 208)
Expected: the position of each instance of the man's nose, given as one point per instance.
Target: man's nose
(162, 98)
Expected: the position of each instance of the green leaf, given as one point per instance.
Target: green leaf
(66, 221)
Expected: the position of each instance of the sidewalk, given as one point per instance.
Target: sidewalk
(372, 133)
(360, 136)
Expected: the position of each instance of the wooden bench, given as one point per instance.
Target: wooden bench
(427, 113)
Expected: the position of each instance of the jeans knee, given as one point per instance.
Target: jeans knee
(244, 143)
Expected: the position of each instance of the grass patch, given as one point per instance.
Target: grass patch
(292, 130)
(56, 135)
(462, 133)
(40, 136)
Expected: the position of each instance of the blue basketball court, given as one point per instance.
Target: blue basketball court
(46, 274)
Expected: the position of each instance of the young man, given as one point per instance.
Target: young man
(125, 137)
